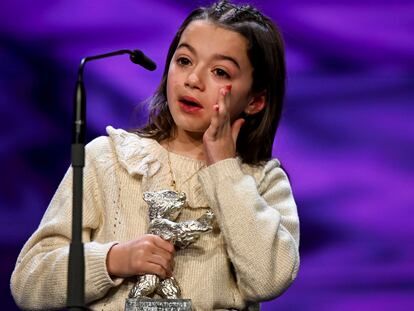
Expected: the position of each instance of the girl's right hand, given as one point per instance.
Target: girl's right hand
(220, 138)
(149, 254)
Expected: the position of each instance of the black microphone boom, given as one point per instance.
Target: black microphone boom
(76, 264)
(140, 58)
(136, 56)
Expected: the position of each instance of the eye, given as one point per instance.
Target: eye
(221, 73)
(183, 61)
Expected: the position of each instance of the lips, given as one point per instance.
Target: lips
(189, 104)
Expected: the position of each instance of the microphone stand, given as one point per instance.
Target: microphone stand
(76, 265)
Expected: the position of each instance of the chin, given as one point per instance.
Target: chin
(193, 130)
(194, 126)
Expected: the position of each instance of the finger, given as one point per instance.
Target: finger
(227, 97)
(219, 114)
(165, 245)
(235, 128)
(172, 264)
(159, 260)
(162, 253)
(211, 131)
(153, 268)
(223, 102)
(215, 118)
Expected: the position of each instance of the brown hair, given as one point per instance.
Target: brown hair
(266, 54)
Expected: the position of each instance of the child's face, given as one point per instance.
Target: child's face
(207, 59)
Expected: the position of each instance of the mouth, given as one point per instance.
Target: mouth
(190, 104)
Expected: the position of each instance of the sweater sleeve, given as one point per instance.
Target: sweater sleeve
(260, 225)
(39, 280)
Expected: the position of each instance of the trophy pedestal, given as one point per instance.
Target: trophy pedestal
(146, 304)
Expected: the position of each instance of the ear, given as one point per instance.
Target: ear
(256, 104)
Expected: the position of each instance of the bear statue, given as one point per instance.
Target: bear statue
(164, 208)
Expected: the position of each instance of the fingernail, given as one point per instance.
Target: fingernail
(223, 91)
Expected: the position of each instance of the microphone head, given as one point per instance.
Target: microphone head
(139, 58)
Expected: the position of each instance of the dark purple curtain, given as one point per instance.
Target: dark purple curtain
(346, 137)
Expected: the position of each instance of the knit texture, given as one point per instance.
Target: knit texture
(250, 256)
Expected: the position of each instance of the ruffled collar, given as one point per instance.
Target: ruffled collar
(144, 156)
(136, 154)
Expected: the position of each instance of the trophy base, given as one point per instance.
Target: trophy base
(147, 304)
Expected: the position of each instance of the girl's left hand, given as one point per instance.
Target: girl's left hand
(220, 138)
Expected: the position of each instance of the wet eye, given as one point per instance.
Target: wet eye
(183, 61)
(221, 73)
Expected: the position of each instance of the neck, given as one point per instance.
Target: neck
(187, 144)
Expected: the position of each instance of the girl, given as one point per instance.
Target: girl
(210, 134)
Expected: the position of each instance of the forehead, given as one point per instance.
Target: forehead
(210, 38)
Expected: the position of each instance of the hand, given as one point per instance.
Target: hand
(147, 254)
(220, 138)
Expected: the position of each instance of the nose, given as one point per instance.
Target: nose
(194, 80)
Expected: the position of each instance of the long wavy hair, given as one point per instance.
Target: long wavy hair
(266, 54)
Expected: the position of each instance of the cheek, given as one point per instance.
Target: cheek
(171, 84)
(169, 89)
(238, 104)
(241, 96)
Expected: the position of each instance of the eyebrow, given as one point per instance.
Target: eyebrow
(215, 56)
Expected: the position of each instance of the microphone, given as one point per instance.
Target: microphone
(78, 133)
(75, 299)
(138, 57)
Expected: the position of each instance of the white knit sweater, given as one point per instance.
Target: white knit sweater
(251, 256)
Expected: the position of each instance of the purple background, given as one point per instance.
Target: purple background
(345, 139)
